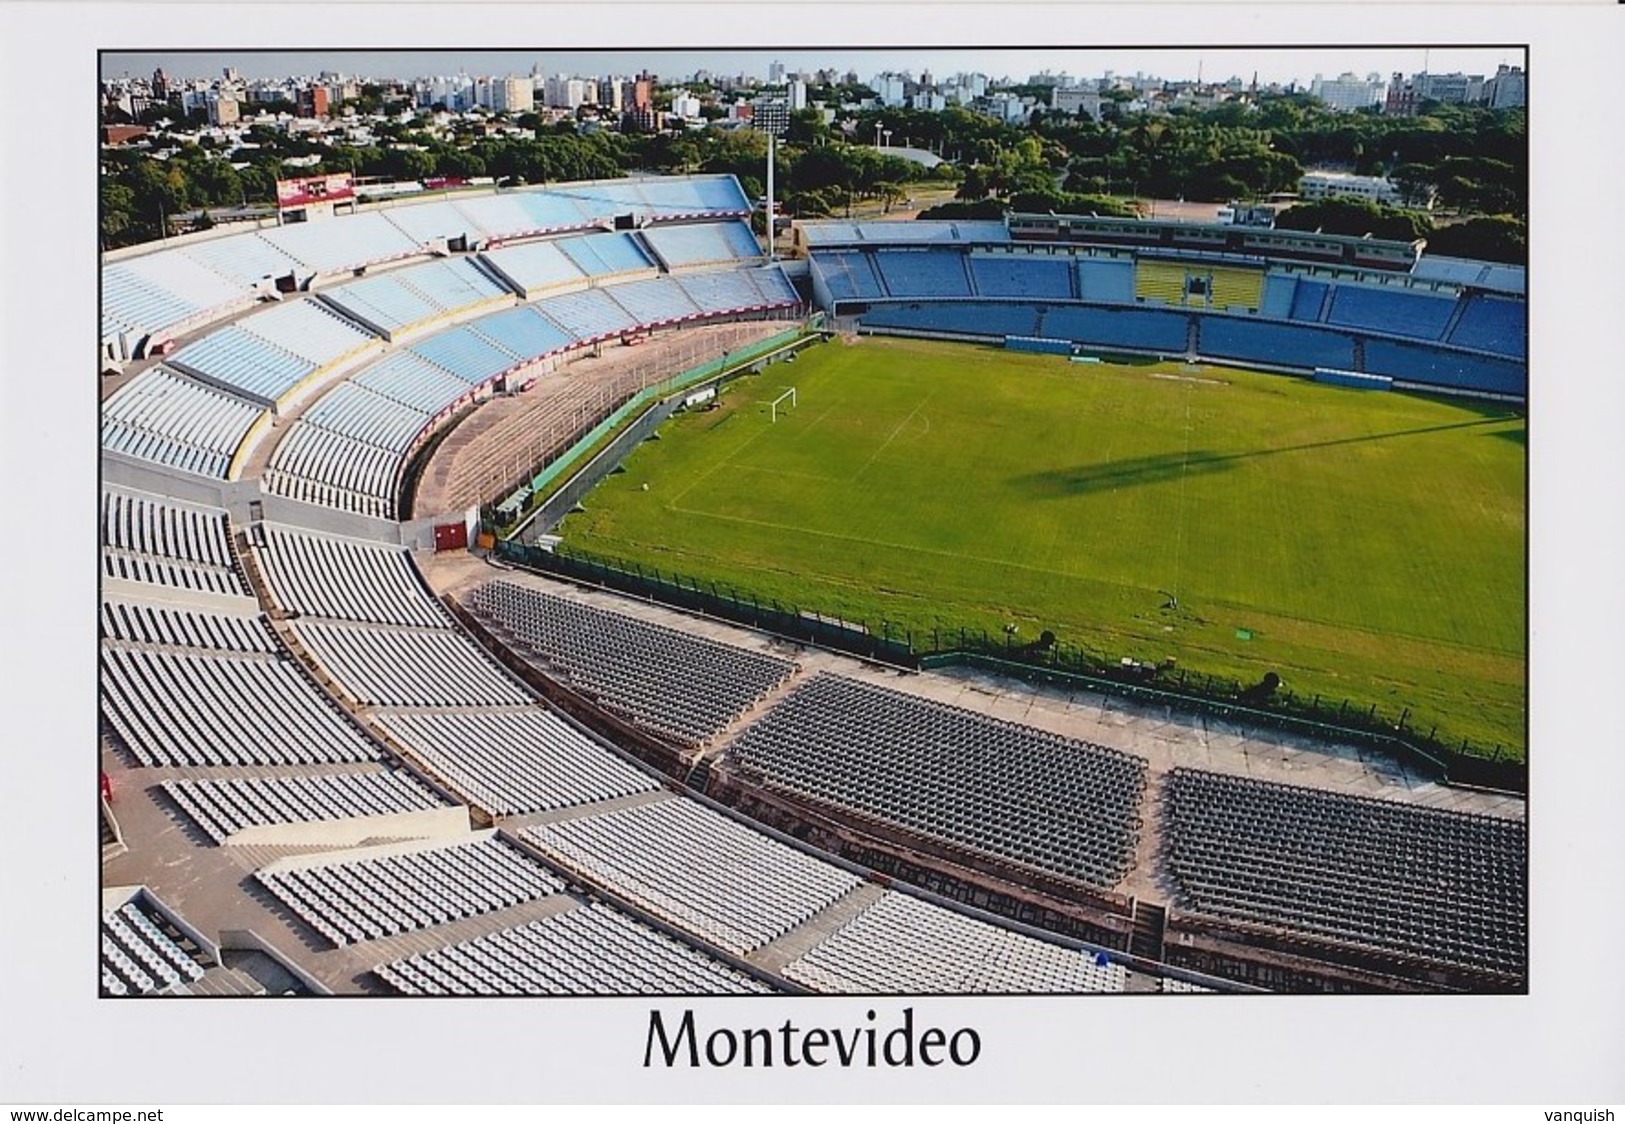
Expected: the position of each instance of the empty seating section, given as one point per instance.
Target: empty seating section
(1283, 345)
(726, 290)
(1027, 276)
(222, 808)
(774, 285)
(142, 954)
(346, 580)
(246, 259)
(427, 223)
(1491, 324)
(139, 623)
(409, 667)
(589, 950)
(606, 255)
(413, 381)
(367, 416)
(310, 330)
(698, 870)
(1011, 791)
(1309, 300)
(1159, 281)
(242, 361)
(691, 244)
(531, 213)
(168, 542)
(164, 416)
(385, 301)
(685, 687)
(966, 317)
(667, 197)
(923, 273)
(368, 898)
(1108, 281)
(659, 300)
(1275, 302)
(536, 267)
(159, 291)
(1396, 877)
(1442, 367)
(1233, 289)
(523, 331)
(850, 275)
(349, 243)
(465, 353)
(902, 945)
(512, 762)
(177, 709)
(1127, 328)
(317, 466)
(1396, 312)
(588, 315)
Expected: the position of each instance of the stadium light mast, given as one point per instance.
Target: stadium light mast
(770, 224)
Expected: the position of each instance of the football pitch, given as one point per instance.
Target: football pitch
(1366, 546)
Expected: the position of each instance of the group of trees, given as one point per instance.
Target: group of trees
(1472, 160)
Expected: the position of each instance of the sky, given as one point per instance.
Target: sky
(1272, 64)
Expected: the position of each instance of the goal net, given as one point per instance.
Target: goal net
(778, 404)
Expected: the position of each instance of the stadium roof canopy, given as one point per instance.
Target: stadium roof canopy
(1463, 271)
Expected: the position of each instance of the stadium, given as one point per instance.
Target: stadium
(391, 705)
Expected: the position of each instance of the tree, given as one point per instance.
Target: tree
(1501, 238)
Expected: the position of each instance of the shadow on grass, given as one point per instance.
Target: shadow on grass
(1137, 472)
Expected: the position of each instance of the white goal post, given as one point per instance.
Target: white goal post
(774, 406)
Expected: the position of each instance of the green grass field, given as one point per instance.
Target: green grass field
(1372, 544)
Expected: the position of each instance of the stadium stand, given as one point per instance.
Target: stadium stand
(346, 580)
(1399, 877)
(902, 945)
(171, 708)
(536, 268)
(687, 245)
(413, 381)
(665, 197)
(1127, 328)
(163, 416)
(607, 255)
(366, 416)
(1441, 367)
(590, 950)
(922, 273)
(1108, 281)
(850, 275)
(341, 247)
(401, 890)
(1492, 324)
(142, 954)
(224, 807)
(657, 301)
(1022, 276)
(1016, 792)
(1275, 302)
(317, 466)
(1159, 281)
(1309, 300)
(168, 542)
(962, 317)
(588, 315)
(401, 666)
(1235, 290)
(245, 260)
(523, 332)
(1282, 345)
(178, 627)
(1397, 313)
(515, 761)
(163, 293)
(464, 352)
(686, 688)
(697, 869)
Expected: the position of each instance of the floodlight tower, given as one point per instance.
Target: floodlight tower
(771, 232)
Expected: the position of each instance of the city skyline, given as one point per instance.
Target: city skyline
(1273, 65)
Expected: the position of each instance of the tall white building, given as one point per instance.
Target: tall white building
(513, 95)
(1076, 99)
(891, 89)
(1347, 93)
(798, 95)
(775, 73)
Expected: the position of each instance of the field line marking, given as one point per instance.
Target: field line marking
(892, 436)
